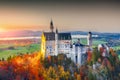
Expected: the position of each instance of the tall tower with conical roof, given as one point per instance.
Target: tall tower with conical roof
(51, 26)
(89, 39)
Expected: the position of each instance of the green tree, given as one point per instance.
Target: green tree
(9, 58)
(91, 76)
(95, 55)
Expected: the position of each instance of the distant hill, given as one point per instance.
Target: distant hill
(100, 35)
(29, 33)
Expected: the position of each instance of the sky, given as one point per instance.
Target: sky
(66, 16)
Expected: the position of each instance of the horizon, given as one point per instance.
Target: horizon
(9, 31)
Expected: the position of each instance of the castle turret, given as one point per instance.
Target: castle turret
(89, 39)
(73, 52)
(51, 26)
(56, 42)
(79, 54)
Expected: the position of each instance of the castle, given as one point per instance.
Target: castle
(54, 43)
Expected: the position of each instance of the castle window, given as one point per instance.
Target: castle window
(65, 45)
(71, 46)
(64, 38)
(76, 59)
(48, 37)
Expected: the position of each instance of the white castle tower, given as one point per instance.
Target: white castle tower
(89, 39)
(73, 54)
(79, 56)
(56, 42)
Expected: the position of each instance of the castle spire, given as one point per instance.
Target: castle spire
(51, 26)
(56, 30)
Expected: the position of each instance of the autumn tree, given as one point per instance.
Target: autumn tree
(91, 76)
(95, 55)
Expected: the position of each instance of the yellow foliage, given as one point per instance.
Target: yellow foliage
(55, 74)
(78, 77)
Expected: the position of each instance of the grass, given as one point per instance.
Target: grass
(116, 48)
(5, 45)
(82, 40)
(95, 42)
(20, 49)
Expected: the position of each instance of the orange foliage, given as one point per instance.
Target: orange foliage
(89, 56)
(112, 52)
(25, 66)
(49, 58)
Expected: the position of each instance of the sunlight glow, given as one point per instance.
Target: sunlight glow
(2, 30)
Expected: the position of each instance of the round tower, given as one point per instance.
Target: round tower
(89, 39)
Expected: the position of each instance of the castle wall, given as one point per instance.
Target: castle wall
(78, 54)
(64, 46)
(50, 48)
(43, 46)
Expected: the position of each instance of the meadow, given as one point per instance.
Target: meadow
(95, 42)
(18, 47)
(10, 50)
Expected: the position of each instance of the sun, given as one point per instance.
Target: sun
(2, 30)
